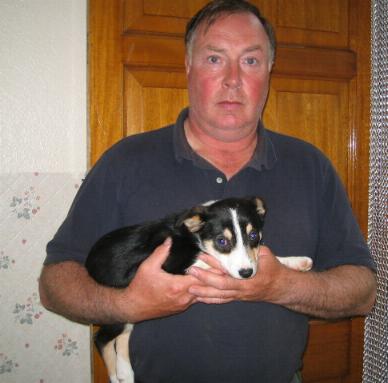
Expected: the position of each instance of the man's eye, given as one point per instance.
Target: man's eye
(213, 59)
(251, 60)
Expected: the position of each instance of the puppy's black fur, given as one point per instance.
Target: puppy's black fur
(115, 258)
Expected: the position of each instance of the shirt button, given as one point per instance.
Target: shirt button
(219, 180)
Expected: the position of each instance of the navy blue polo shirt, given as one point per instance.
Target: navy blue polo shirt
(150, 175)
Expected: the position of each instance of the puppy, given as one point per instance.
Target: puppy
(230, 230)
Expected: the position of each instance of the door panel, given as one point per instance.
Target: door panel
(154, 100)
(313, 110)
(318, 22)
(319, 92)
(329, 342)
(153, 51)
(161, 16)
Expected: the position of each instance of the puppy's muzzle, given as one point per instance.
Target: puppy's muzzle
(245, 273)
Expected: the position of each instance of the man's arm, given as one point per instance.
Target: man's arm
(339, 292)
(67, 289)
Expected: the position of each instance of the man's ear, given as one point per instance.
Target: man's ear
(187, 64)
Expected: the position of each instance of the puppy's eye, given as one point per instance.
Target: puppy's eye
(253, 235)
(222, 242)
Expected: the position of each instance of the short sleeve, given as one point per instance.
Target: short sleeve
(94, 211)
(340, 239)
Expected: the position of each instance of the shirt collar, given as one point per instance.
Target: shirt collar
(264, 156)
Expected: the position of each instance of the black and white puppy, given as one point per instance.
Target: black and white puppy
(230, 230)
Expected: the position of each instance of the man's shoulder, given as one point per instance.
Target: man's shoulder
(157, 137)
(286, 146)
(141, 144)
(291, 142)
(135, 152)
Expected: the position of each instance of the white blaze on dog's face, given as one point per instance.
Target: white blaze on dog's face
(233, 248)
(232, 234)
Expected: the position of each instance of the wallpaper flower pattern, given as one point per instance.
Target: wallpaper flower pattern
(36, 346)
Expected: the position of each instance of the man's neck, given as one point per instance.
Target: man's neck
(228, 157)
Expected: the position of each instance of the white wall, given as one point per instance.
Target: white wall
(43, 86)
(43, 157)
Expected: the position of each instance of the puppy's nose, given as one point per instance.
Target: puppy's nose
(245, 273)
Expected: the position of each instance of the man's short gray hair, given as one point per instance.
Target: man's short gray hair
(219, 8)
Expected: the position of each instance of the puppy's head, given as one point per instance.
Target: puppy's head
(230, 230)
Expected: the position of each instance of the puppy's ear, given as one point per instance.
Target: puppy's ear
(260, 207)
(194, 223)
(193, 219)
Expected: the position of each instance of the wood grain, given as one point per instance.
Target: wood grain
(319, 92)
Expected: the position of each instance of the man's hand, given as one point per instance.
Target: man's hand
(342, 291)
(155, 293)
(218, 287)
(68, 289)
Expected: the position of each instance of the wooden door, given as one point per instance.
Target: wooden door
(319, 92)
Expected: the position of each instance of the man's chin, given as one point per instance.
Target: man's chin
(233, 130)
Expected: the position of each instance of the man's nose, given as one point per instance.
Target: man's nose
(232, 79)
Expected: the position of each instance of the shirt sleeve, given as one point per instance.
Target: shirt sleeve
(94, 212)
(340, 239)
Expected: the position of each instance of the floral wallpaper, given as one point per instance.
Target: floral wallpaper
(36, 346)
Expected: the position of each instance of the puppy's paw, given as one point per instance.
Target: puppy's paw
(297, 263)
(124, 370)
(305, 264)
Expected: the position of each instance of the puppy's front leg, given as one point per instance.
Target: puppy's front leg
(297, 263)
(123, 365)
(109, 355)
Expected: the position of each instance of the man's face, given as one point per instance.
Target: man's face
(228, 76)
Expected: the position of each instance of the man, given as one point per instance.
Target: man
(207, 326)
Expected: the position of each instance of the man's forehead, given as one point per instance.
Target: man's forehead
(232, 26)
(228, 22)
(242, 31)
(220, 49)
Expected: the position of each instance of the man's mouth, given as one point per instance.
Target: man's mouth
(230, 105)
